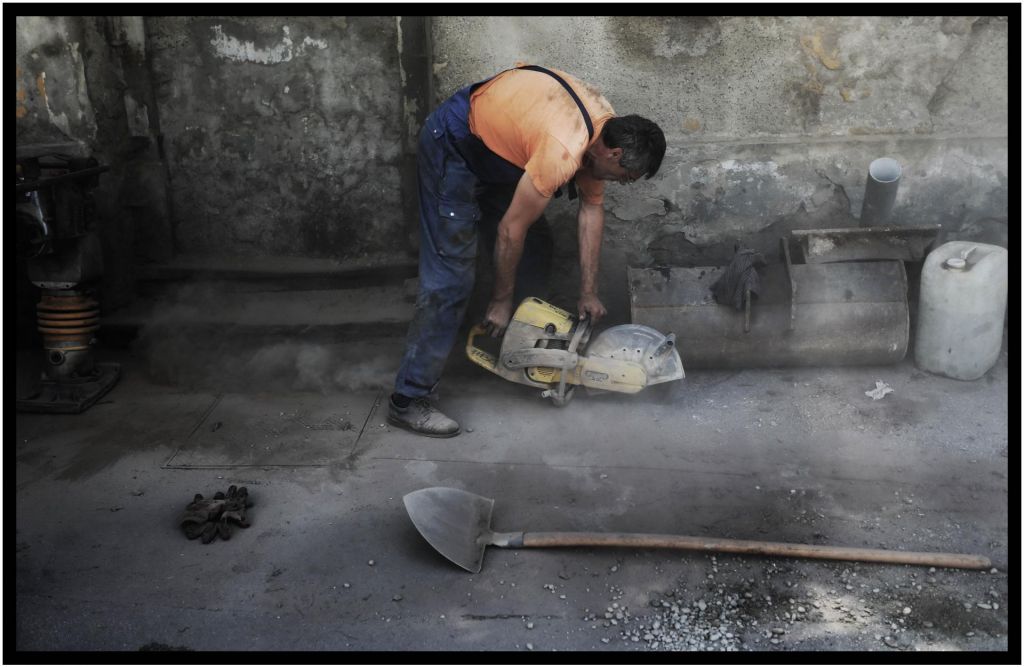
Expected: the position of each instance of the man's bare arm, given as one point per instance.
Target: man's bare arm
(590, 221)
(527, 205)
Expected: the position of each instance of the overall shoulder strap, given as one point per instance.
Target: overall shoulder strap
(568, 88)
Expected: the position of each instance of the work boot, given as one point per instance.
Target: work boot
(422, 417)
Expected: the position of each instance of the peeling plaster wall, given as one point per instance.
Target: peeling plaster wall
(284, 134)
(53, 103)
(771, 122)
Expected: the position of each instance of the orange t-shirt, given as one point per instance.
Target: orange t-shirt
(529, 119)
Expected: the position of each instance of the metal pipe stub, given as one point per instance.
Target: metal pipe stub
(880, 194)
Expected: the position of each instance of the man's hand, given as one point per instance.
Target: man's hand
(590, 305)
(499, 313)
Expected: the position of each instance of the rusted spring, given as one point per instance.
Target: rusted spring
(67, 321)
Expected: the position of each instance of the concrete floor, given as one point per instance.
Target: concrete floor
(795, 455)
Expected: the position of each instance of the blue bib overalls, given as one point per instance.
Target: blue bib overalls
(463, 188)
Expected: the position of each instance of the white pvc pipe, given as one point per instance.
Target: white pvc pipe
(885, 170)
(880, 195)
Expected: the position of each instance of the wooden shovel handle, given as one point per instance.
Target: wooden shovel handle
(755, 547)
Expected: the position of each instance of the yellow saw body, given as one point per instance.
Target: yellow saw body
(549, 348)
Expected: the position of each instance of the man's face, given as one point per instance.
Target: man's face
(604, 166)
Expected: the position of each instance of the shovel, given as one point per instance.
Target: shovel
(458, 524)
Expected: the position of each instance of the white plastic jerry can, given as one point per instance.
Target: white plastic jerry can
(961, 309)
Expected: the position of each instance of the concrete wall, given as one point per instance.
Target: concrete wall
(771, 122)
(252, 136)
(295, 136)
(284, 135)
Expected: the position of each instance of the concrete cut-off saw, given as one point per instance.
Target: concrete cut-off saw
(549, 348)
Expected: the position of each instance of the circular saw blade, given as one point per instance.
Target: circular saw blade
(650, 348)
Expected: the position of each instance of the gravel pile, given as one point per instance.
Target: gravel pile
(732, 614)
(712, 620)
(736, 609)
(710, 623)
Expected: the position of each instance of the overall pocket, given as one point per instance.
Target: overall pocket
(455, 235)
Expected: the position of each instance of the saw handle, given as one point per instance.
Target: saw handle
(561, 396)
(475, 354)
(751, 547)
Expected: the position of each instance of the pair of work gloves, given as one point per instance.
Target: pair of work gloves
(206, 518)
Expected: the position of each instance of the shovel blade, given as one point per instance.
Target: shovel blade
(454, 522)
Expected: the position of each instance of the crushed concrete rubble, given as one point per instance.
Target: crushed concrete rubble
(880, 391)
(735, 613)
(681, 621)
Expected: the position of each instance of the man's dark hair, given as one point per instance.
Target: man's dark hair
(641, 140)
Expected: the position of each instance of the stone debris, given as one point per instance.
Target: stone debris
(736, 614)
(680, 624)
(880, 391)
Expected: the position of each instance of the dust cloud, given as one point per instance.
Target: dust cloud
(226, 362)
(182, 344)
